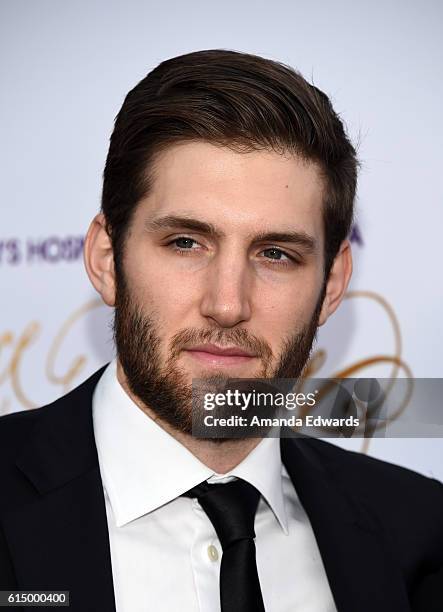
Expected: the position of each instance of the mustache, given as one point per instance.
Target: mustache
(237, 337)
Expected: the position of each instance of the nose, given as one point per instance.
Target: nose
(227, 293)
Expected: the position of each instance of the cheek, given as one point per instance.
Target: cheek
(285, 314)
(291, 306)
(165, 293)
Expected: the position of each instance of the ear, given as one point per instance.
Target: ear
(338, 281)
(99, 259)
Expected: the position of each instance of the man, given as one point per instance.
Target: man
(222, 244)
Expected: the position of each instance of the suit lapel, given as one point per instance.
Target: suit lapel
(360, 570)
(59, 539)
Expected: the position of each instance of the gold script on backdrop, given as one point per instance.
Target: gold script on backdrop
(21, 343)
(319, 357)
(12, 371)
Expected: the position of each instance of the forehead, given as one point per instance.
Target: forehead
(259, 190)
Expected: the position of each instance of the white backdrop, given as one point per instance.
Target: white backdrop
(65, 69)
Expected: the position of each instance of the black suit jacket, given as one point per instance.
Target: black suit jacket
(379, 527)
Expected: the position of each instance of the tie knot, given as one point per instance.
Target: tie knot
(231, 508)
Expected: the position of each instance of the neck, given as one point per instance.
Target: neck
(218, 456)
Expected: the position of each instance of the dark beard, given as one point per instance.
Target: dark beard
(166, 390)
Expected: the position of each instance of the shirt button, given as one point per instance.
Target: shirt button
(212, 553)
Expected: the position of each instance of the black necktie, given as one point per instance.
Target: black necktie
(231, 509)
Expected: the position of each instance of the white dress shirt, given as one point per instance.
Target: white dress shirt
(164, 550)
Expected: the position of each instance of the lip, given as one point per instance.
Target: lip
(227, 351)
(210, 354)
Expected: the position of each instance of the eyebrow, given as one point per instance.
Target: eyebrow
(298, 237)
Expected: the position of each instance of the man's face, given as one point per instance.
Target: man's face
(222, 274)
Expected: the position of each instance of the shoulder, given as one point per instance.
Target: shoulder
(46, 445)
(403, 500)
(17, 428)
(366, 474)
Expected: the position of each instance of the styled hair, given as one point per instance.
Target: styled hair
(238, 100)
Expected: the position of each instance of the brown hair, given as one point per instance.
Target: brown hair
(238, 100)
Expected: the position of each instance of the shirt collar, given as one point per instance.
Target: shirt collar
(143, 467)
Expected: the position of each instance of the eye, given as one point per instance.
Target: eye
(183, 245)
(277, 256)
(183, 242)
